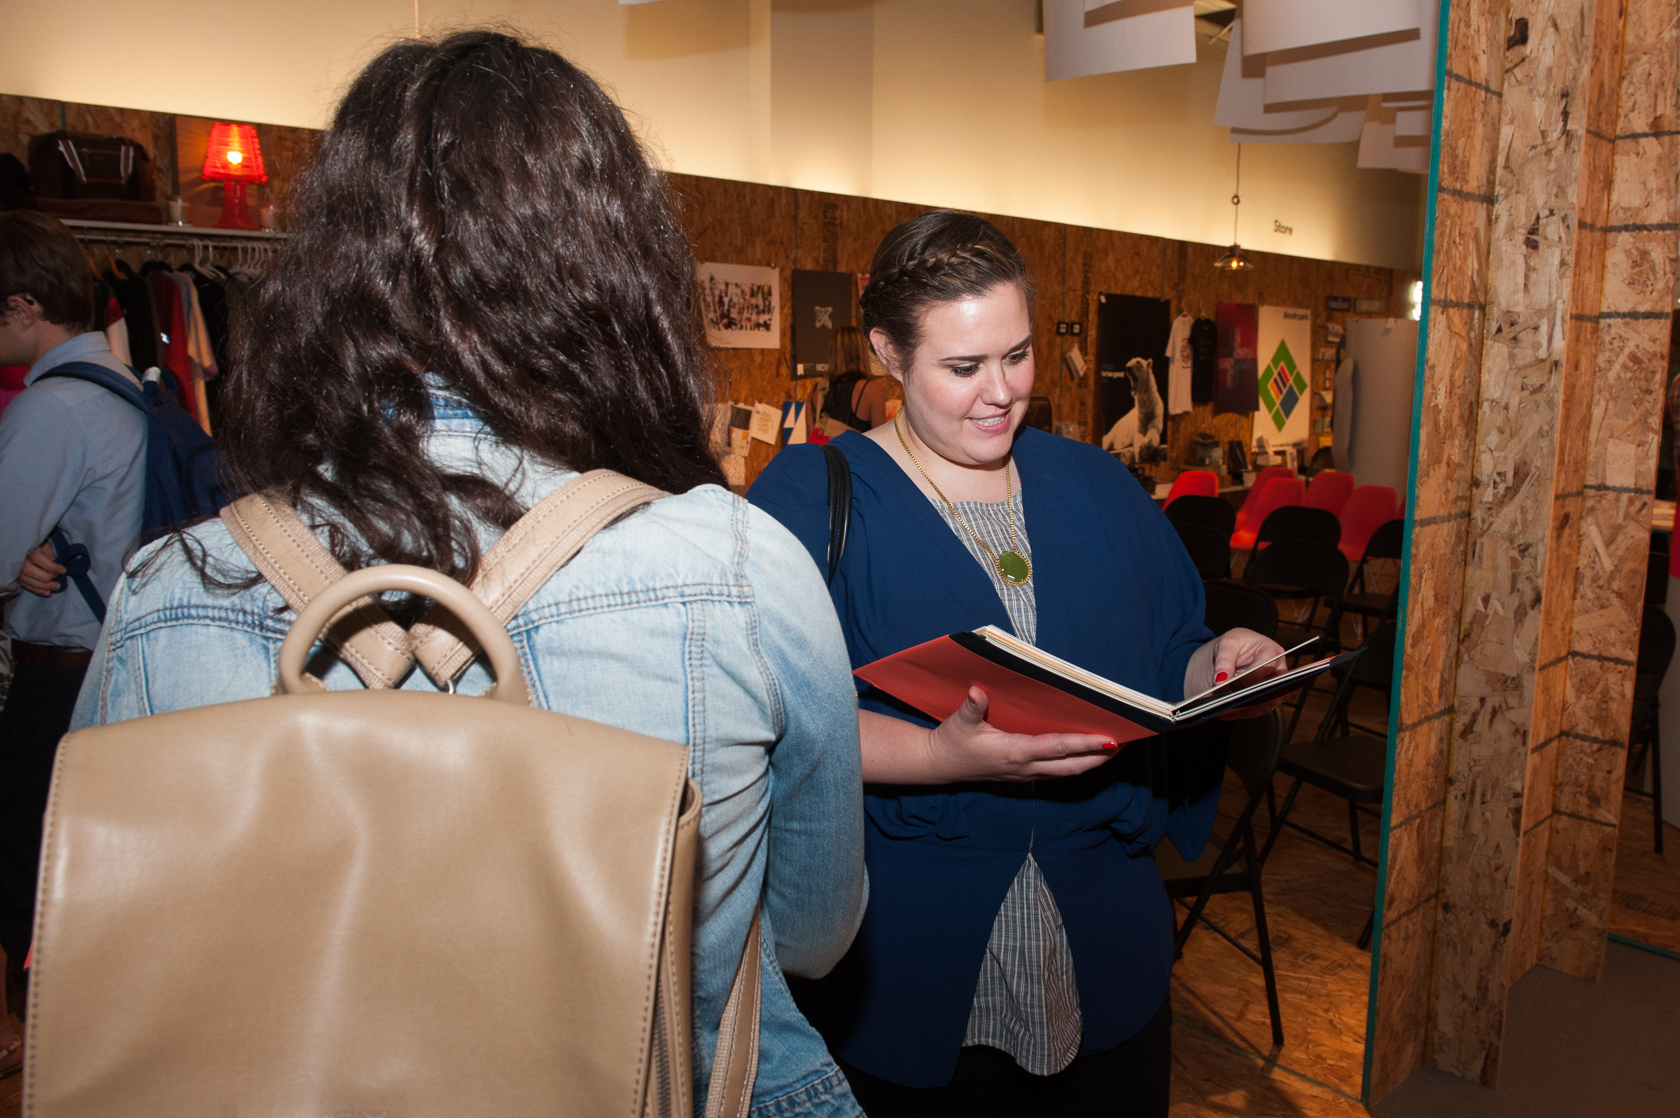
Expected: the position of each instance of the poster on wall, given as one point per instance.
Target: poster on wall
(1285, 339)
(1236, 385)
(1132, 362)
(822, 301)
(742, 305)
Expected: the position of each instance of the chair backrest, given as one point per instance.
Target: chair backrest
(1297, 564)
(1387, 542)
(1214, 513)
(1656, 644)
(1299, 522)
(1256, 744)
(1329, 490)
(1199, 483)
(1274, 494)
(1231, 605)
(1254, 490)
(1209, 550)
(1375, 666)
(1368, 507)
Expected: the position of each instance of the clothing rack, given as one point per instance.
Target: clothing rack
(249, 246)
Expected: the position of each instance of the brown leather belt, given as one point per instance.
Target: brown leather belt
(49, 656)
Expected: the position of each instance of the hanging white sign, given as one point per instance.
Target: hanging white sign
(1399, 63)
(1083, 38)
(1283, 24)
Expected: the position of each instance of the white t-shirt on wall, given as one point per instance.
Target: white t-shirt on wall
(1178, 375)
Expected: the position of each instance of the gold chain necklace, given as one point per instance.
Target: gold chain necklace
(1011, 565)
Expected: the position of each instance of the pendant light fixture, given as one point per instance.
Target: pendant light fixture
(1235, 260)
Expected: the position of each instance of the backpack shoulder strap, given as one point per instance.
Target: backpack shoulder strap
(527, 556)
(100, 375)
(735, 1061)
(284, 550)
(839, 505)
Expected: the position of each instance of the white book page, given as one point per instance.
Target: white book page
(1230, 685)
(1074, 672)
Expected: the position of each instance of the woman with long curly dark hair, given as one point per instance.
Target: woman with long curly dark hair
(485, 293)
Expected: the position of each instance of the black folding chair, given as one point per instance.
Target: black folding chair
(1209, 550)
(1656, 652)
(1656, 571)
(1213, 513)
(1352, 766)
(1295, 570)
(1297, 522)
(1385, 543)
(1232, 864)
(1231, 605)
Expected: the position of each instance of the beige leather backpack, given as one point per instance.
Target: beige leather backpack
(378, 902)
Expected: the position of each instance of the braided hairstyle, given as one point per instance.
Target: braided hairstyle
(938, 257)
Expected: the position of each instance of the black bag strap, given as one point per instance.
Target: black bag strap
(839, 505)
(76, 561)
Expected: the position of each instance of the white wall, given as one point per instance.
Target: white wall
(931, 101)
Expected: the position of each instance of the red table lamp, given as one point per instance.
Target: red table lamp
(233, 158)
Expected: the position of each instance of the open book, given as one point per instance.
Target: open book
(1034, 692)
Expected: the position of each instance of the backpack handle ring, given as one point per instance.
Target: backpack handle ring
(463, 603)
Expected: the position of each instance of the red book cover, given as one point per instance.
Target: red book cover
(935, 677)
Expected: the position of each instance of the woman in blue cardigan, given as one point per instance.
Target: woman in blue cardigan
(1015, 955)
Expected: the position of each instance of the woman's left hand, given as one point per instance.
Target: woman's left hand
(1226, 655)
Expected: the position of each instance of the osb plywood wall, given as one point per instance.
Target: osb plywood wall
(744, 223)
(176, 145)
(1554, 269)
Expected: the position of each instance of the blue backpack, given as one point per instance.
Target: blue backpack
(185, 478)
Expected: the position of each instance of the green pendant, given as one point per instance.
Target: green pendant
(1014, 568)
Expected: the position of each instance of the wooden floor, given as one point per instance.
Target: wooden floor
(1317, 901)
(1645, 901)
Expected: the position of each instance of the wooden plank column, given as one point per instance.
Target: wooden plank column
(1553, 275)
(1641, 242)
(1440, 533)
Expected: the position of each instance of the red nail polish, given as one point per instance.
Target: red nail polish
(1222, 677)
(1111, 745)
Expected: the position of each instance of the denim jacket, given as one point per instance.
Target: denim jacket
(698, 619)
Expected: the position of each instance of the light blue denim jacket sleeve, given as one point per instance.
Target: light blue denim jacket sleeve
(699, 620)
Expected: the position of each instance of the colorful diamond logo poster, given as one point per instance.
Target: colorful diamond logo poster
(1285, 414)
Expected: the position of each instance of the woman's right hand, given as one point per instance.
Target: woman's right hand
(966, 747)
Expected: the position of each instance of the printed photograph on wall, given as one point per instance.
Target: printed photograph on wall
(1132, 333)
(742, 305)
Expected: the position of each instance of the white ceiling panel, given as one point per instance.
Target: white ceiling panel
(1343, 128)
(1286, 24)
(1399, 63)
(1242, 95)
(1112, 40)
(1380, 148)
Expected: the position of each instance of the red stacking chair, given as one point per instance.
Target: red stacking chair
(1329, 490)
(1275, 494)
(1253, 497)
(1368, 508)
(1193, 483)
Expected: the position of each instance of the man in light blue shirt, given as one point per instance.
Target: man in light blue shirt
(72, 456)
